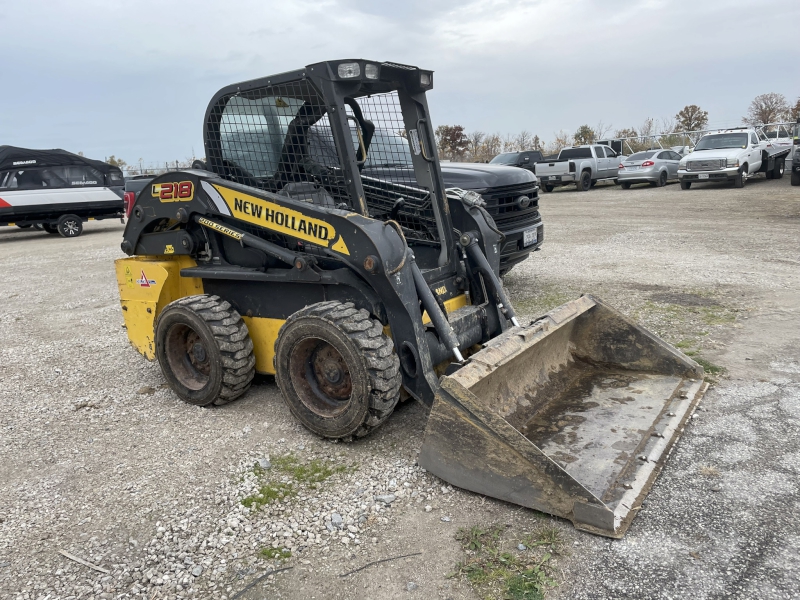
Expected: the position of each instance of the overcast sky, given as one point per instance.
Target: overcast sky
(133, 78)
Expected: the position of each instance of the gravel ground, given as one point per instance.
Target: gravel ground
(100, 460)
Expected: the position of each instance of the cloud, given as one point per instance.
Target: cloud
(133, 78)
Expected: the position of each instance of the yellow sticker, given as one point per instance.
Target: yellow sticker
(169, 249)
(128, 277)
(282, 219)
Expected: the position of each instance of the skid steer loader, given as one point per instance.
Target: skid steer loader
(354, 291)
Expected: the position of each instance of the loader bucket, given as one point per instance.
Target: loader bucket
(573, 415)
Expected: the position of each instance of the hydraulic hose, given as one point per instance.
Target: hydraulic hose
(469, 241)
(443, 328)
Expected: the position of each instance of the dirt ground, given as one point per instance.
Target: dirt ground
(99, 459)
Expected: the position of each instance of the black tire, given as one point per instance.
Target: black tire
(26, 226)
(52, 229)
(69, 226)
(625, 185)
(740, 178)
(685, 185)
(337, 370)
(795, 178)
(205, 350)
(584, 184)
(594, 183)
(662, 179)
(779, 170)
(38, 227)
(549, 188)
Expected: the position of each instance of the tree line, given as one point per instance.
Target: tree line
(455, 143)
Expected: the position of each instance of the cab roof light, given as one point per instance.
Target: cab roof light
(349, 70)
(370, 71)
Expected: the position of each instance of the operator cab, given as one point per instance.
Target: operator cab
(351, 135)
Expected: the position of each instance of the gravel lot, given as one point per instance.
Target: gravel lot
(100, 460)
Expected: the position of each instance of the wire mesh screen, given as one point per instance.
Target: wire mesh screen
(388, 176)
(279, 138)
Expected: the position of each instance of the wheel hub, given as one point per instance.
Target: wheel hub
(322, 377)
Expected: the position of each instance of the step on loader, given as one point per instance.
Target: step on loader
(282, 257)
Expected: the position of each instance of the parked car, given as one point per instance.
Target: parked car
(655, 167)
(525, 159)
(582, 166)
(732, 155)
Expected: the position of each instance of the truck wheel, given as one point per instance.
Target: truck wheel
(795, 178)
(38, 227)
(337, 370)
(549, 188)
(26, 226)
(625, 185)
(204, 350)
(585, 182)
(53, 229)
(594, 182)
(70, 226)
(779, 170)
(741, 177)
(685, 185)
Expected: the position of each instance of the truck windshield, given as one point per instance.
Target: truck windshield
(568, 153)
(507, 158)
(722, 140)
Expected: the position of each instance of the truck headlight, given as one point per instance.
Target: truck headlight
(682, 165)
(733, 162)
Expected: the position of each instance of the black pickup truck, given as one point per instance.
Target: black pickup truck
(511, 194)
(525, 159)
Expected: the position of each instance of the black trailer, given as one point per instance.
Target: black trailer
(56, 190)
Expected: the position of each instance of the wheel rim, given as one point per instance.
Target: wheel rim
(744, 175)
(781, 168)
(320, 376)
(70, 227)
(187, 356)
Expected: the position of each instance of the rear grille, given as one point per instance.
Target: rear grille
(503, 204)
(711, 164)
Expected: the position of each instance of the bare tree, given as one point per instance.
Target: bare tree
(492, 146)
(475, 140)
(601, 130)
(794, 112)
(524, 140)
(510, 143)
(767, 108)
(691, 117)
(537, 143)
(562, 140)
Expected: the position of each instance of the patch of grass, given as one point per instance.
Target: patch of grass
(544, 299)
(293, 474)
(495, 572)
(710, 368)
(312, 472)
(717, 315)
(272, 553)
(545, 536)
(268, 493)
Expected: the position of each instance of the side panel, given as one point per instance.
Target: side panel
(264, 332)
(146, 286)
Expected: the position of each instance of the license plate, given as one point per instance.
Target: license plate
(530, 236)
(703, 176)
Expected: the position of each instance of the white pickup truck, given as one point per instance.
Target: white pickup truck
(582, 165)
(732, 155)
